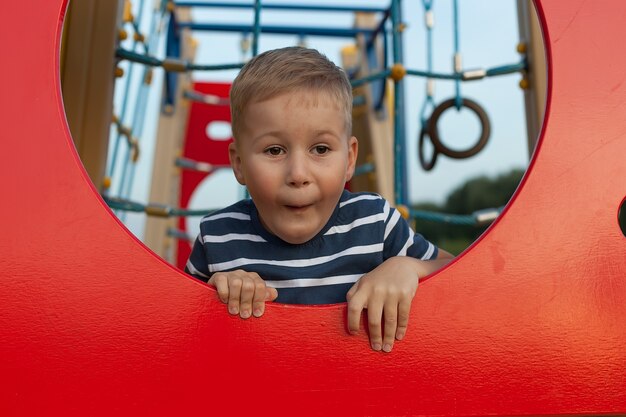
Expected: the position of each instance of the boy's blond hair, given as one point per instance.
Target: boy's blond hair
(286, 70)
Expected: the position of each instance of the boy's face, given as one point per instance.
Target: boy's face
(295, 158)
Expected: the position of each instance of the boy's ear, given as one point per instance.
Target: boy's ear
(353, 152)
(235, 163)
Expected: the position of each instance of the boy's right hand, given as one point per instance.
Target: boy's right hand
(244, 292)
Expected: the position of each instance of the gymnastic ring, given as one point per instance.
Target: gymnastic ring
(434, 133)
(426, 165)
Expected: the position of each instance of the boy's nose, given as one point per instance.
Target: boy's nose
(298, 174)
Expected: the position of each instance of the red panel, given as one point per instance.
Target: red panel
(200, 147)
(529, 321)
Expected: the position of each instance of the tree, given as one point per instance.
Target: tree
(483, 192)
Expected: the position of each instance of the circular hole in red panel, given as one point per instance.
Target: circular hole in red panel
(621, 217)
(138, 160)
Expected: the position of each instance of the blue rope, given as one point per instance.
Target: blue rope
(372, 77)
(160, 210)
(458, 219)
(257, 27)
(139, 115)
(122, 115)
(491, 72)
(430, 101)
(111, 168)
(152, 209)
(458, 100)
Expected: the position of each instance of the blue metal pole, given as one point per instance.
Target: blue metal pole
(257, 27)
(279, 30)
(400, 182)
(286, 7)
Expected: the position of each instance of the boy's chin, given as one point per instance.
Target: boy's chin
(297, 238)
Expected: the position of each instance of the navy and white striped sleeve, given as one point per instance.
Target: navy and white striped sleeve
(197, 264)
(401, 240)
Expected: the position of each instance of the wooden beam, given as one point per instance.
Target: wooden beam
(88, 78)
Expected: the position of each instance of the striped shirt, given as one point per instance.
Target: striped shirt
(363, 231)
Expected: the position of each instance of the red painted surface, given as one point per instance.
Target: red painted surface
(200, 147)
(529, 321)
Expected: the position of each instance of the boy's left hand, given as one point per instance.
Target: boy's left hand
(386, 293)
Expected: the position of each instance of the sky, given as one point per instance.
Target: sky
(488, 32)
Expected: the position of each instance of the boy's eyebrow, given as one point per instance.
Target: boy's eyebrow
(273, 133)
(321, 132)
(279, 134)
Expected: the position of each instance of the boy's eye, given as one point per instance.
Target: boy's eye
(274, 150)
(321, 149)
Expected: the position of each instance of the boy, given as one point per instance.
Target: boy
(302, 238)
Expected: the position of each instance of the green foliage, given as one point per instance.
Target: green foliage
(455, 246)
(476, 194)
(483, 192)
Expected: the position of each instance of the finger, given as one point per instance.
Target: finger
(247, 295)
(390, 315)
(234, 295)
(220, 282)
(374, 319)
(271, 293)
(355, 309)
(404, 310)
(258, 300)
(351, 291)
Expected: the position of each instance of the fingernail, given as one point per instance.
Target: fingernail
(257, 312)
(387, 347)
(245, 314)
(376, 346)
(233, 310)
(400, 336)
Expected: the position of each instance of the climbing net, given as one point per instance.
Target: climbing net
(142, 53)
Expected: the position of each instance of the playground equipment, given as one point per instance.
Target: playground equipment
(379, 118)
(528, 321)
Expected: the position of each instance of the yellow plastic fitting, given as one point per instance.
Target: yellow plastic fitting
(403, 210)
(397, 72)
(524, 84)
(125, 131)
(122, 34)
(147, 80)
(174, 65)
(138, 37)
(157, 210)
(245, 44)
(119, 72)
(106, 183)
(522, 47)
(128, 12)
(134, 149)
